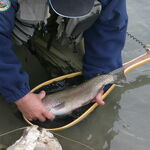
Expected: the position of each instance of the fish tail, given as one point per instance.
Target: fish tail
(119, 76)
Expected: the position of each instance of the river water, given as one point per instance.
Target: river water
(123, 123)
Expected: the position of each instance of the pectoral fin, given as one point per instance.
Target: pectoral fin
(59, 106)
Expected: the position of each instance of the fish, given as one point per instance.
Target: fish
(66, 101)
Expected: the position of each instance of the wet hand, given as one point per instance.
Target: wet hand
(99, 99)
(32, 107)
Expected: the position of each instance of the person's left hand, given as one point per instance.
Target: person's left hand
(98, 99)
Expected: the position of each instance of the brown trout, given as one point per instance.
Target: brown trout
(64, 102)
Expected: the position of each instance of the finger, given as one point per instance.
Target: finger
(28, 118)
(48, 115)
(42, 94)
(34, 119)
(41, 118)
(99, 98)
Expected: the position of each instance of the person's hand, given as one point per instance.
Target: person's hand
(32, 107)
(98, 99)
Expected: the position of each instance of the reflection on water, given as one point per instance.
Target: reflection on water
(101, 129)
(123, 123)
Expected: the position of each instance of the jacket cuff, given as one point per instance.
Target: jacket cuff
(19, 94)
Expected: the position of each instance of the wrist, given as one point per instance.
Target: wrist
(23, 99)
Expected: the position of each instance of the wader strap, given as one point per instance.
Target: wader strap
(71, 30)
(30, 13)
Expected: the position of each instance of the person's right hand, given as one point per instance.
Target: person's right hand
(32, 107)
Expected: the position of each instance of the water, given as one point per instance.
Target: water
(123, 123)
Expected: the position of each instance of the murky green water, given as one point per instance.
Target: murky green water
(123, 123)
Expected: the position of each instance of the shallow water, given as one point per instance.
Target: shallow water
(123, 123)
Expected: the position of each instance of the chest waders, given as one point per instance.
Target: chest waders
(56, 41)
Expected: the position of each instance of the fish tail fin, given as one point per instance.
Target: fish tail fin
(119, 76)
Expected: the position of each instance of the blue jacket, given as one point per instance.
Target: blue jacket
(105, 39)
(103, 44)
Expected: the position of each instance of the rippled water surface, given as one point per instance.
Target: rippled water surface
(123, 123)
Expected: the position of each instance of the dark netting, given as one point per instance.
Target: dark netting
(58, 86)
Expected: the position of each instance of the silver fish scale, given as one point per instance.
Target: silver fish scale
(64, 102)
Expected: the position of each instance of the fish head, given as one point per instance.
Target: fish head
(119, 77)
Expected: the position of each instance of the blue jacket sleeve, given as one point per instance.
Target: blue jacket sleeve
(13, 82)
(105, 39)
